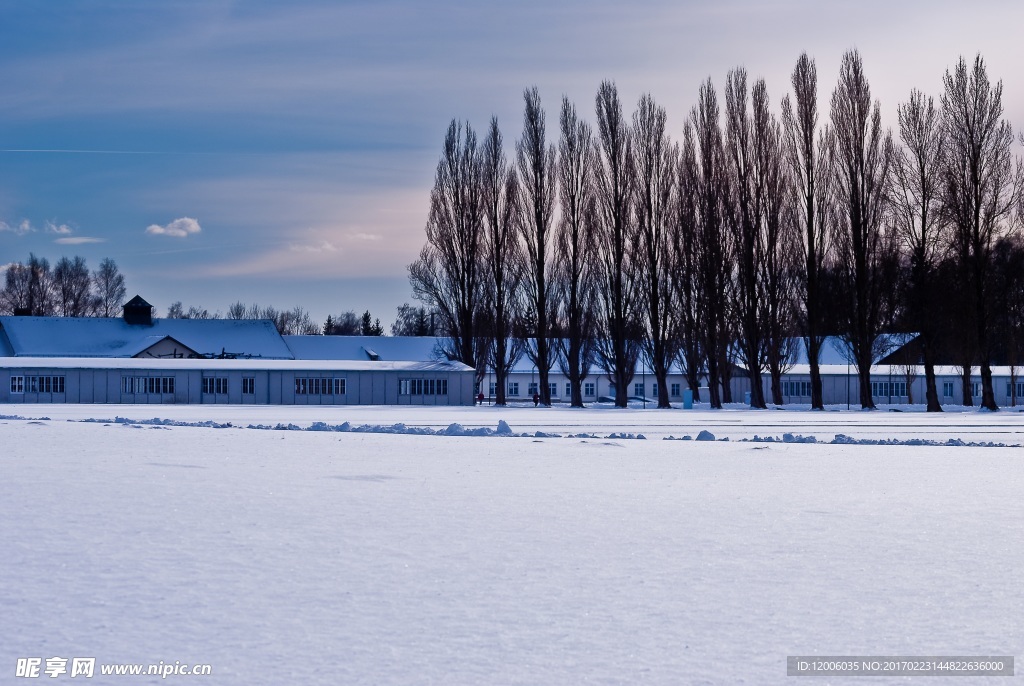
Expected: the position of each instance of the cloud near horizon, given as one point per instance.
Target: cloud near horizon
(79, 240)
(322, 247)
(179, 228)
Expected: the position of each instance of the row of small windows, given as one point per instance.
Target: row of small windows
(37, 384)
(889, 389)
(215, 385)
(589, 389)
(423, 387)
(148, 384)
(796, 389)
(319, 386)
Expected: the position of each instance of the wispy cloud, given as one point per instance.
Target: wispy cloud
(363, 236)
(62, 229)
(79, 240)
(19, 229)
(322, 247)
(179, 228)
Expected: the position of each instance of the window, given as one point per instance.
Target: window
(654, 390)
(638, 389)
(976, 389)
(889, 389)
(215, 385)
(248, 385)
(1019, 387)
(947, 389)
(589, 389)
(796, 389)
(513, 388)
(309, 385)
(146, 384)
(37, 384)
(568, 390)
(675, 390)
(553, 389)
(532, 389)
(417, 386)
(492, 389)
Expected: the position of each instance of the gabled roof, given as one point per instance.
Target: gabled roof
(149, 342)
(137, 301)
(113, 337)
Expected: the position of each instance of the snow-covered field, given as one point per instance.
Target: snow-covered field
(325, 557)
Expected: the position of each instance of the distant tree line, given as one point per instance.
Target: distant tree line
(410, 321)
(720, 247)
(68, 289)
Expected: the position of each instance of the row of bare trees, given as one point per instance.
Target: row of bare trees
(725, 246)
(68, 289)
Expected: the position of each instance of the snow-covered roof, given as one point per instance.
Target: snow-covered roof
(835, 350)
(897, 371)
(113, 337)
(155, 364)
(384, 348)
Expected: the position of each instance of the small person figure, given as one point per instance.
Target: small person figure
(480, 397)
(536, 399)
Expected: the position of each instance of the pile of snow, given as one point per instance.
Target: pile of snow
(503, 430)
(843, 439)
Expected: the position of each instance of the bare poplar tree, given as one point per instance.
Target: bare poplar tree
(863, 154)
(619, 342)
(686, 275)
(448, 274)
(538, 176)
(503, 258)
(655, 169)
(753, 164)
(808, 154)
(574, 276)
(779, 277)
(108, 284)
(917, 213)
(715, 251)
(981, 188)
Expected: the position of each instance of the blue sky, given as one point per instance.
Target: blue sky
(300, 139)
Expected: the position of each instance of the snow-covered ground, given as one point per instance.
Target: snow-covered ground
(323, 557)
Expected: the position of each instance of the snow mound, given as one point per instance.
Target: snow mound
(843, 439)
(503, 430)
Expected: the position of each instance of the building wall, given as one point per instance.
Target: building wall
(603, 387)
(274, 387)
(840, 390)
(836, 389)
